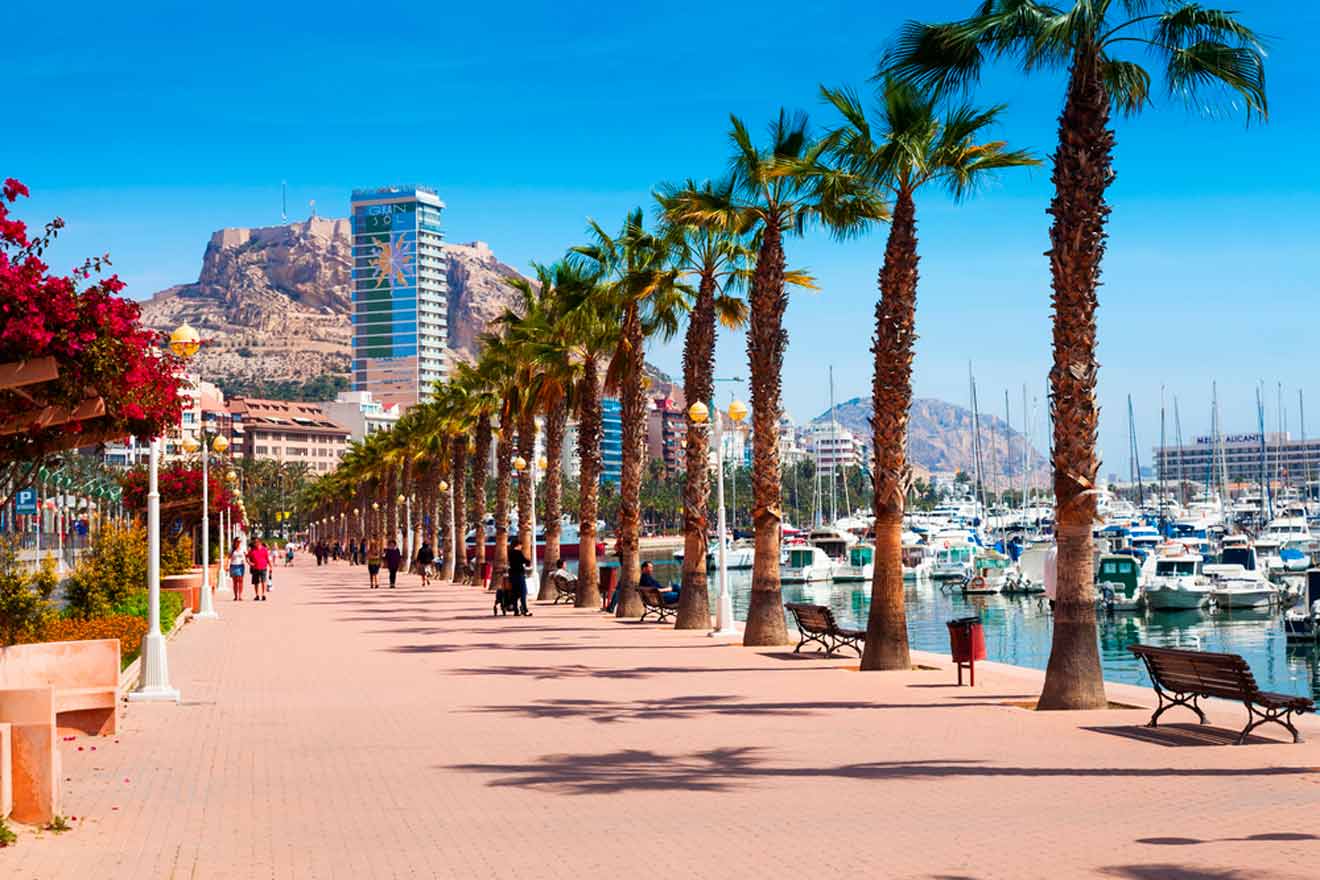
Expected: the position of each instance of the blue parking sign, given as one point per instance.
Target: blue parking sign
(25, 501)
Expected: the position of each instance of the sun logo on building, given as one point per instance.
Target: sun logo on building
(394, 260)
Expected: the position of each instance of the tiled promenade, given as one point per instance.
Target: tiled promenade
(339, 732)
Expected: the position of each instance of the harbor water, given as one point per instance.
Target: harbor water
(1018, 628)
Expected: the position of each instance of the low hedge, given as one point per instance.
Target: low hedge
(128, 628)
(171, 606)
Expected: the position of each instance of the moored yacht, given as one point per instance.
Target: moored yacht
(859, 565)
(806, 563)
(1178, 582)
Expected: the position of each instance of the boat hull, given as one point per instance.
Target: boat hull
(1168, 599)
(1243, 598)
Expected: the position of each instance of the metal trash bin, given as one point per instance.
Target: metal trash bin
(967, 645)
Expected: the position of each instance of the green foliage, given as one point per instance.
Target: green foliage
(323, 387)
(59, 825)
(176, 557)
(7, 835)
(114, 570)
(171, 606)
(25, 605)
(272, 487)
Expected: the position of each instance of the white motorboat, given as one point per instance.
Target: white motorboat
(991, 572)
(915, 561)
(1243, 592)
(806, 564)
(859, 565)
(1118, 582)
(1301, 623)
(834, 543)
(954, 554)
(1178, 582)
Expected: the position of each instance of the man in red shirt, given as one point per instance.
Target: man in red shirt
(259, 559)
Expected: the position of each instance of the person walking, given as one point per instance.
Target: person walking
(393, 559)
(425, 556)
(372, 552)
(518, 580)
(259, 558)
(288, 554)
(237, 568)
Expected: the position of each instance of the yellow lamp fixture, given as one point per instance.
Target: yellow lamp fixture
(357, 511)
(231, 477)
(471, 446)
(401, 499)
(699, 412)
(190, 445)
(375, 505)
(541, 463)
(220, 444)
(185, 341)
(519, 463)
(443, 487)
(737, 410)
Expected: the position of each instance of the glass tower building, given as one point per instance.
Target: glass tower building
(400, 293)
(611, 441)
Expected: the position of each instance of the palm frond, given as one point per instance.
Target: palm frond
(1204, 66)
(1128, 85)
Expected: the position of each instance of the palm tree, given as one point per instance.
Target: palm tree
(1197, 48)
(908, 147)
(777, 190)
(716, 256)
(548, 375)
(591, 331)
(636, 273)
(482, 402)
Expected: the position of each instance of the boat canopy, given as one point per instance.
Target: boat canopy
(861, 554)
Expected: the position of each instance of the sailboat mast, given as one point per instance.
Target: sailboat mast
(978, 483)
(1134, 458)
(1026, 453)
(1163, 464)
(834, 450)
(1177, 438)
(1306, 458)
(1264, 461)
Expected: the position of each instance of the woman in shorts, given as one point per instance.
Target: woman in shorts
(237, 568)
(373, 562)
(259, 559)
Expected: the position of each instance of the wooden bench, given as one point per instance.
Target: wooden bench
(816, 623)
(565, 588)
(653, 603)
(83, 674)
(1181, 677)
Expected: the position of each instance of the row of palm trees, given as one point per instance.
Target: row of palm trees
(716, 254)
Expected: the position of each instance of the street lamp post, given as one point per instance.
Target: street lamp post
(699, 413)
(527, 471)
(154, 681)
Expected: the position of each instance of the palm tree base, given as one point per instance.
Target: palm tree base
(765, 619)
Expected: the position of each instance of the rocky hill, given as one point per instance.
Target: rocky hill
(275, 302)
(940, 437)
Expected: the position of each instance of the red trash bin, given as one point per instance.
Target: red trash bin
(609, 577)
(967, 645)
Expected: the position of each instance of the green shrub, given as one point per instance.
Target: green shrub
(25, 605)
(176, 557)
(7, 835)
(113, 571)
(171, 606)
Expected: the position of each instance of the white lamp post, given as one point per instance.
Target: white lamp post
(700, 413)
(527, 471)
(154, 681)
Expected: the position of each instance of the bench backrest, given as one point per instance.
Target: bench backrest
(85, 664)
(650, 597)
(815, 619)
(1204, 672)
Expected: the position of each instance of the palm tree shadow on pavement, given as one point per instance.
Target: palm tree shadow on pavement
(724, 769)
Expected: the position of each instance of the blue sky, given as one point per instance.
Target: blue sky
(147, 126)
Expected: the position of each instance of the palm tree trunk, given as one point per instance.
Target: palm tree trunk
(477, 504)
(698, 386)
(589, 436)
(1082, 172)
(503, 479)
(633, 407)
(765, 355)
(555, 425)
(891, 395)
(526, 451)
(457, 479)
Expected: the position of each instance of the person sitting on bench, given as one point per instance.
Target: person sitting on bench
(647, 579)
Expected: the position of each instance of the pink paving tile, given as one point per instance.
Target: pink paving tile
(339, 732)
